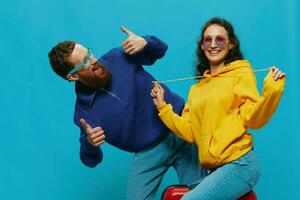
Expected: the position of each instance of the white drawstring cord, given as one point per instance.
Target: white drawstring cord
(196, 77)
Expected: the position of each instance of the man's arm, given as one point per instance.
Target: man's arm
(90, 141)
(143, 50)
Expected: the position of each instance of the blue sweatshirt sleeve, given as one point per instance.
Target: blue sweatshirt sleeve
(175, 100)
(90, 156)
(154, 49)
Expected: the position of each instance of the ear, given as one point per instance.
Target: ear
(73, 77)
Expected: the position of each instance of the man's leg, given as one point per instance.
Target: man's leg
(147, 170)
(186, 162)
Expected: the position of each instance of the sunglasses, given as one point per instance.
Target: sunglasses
(219, 40)
(85, 63)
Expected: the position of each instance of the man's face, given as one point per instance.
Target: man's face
(93, 73)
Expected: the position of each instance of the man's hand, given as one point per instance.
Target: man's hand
(95, 136)
(277, 74)
(158, 94)
(133, 43)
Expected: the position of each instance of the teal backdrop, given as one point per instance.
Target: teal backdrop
(39, 145)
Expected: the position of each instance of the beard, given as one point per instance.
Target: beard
(100, 76)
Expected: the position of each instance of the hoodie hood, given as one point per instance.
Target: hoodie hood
(238, 66)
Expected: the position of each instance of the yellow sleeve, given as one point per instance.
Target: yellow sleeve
(180, 125)
(256, 110)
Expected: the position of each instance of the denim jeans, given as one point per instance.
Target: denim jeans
(229, 181)
(149, 166)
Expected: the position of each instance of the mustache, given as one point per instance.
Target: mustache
(103, 80)
(97, 65)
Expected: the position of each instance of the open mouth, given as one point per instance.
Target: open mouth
(97, 69)
(214, 52)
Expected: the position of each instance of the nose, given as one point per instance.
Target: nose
(213, 44)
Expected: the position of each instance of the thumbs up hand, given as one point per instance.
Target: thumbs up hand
(133, 43)
(95, 136)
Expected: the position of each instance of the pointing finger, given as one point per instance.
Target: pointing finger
(125, 42)
(95, 130)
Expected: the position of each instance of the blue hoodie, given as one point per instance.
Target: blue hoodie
(125, 111)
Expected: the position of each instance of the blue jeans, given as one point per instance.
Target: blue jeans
(149, 166)
(229, 181)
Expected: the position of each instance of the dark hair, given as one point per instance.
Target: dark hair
(234, 54)
(59, 58)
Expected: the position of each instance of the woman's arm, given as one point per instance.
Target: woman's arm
(180, 125)
(255, 110)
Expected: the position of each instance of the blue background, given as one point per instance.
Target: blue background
(39, 143)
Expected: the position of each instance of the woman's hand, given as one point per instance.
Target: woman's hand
(277, 74)
(158, 94)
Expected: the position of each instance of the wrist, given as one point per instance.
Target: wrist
(161, 105)
(89, 146)
(158, 107)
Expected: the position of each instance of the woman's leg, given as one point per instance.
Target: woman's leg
(229, 181)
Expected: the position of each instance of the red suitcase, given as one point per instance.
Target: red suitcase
(175, 192)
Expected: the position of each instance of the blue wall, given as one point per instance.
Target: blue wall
(39, 143)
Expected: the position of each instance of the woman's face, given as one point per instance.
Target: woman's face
(216, 44)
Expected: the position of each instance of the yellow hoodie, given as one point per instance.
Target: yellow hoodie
(219, 110)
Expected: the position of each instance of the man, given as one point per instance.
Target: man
(113, 105)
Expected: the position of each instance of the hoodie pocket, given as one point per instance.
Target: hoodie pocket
(207, 159)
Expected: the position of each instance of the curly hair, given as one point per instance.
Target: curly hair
(59, 58)
(234, 54)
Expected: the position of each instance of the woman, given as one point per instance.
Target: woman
(220, 109)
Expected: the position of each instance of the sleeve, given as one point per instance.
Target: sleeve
(255, 111)
(90, 156)
(180, 125)
(154, 49)
(175, 100)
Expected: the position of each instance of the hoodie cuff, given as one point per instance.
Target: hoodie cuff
(271, 85)
(164, 109)
(89, 147)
